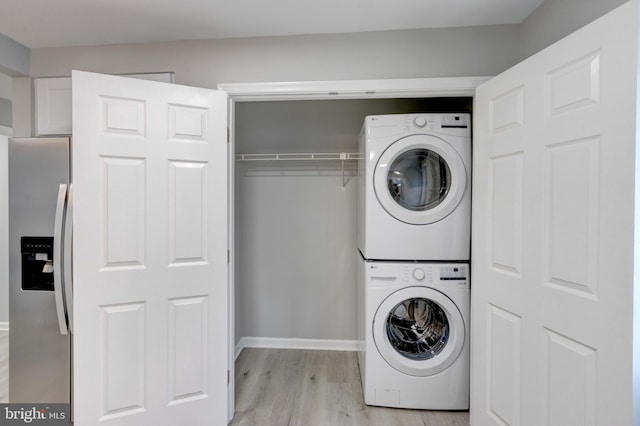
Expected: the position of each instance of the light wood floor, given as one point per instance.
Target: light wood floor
(315, 388)
(277, 387)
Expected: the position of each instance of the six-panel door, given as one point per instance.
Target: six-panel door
(150, 252)
(553, 241)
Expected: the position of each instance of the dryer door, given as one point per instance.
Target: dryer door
(420, 179)
(418, 331)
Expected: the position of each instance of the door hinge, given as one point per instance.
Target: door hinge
(228, 257)
(228, 377)
(228, 136)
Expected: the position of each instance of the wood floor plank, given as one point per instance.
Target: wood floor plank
(277, 387)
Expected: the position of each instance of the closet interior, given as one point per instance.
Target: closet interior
(295, 213)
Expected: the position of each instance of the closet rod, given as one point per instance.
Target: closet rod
(340, 156)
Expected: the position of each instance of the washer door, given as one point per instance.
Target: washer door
(420, 179)
(418, 331)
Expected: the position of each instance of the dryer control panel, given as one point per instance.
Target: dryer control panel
(436, 122)
(451, 124)
(454, 121)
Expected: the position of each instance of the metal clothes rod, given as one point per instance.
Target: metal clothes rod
(340, 156)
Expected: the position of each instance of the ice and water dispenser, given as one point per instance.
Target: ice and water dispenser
(37, 263)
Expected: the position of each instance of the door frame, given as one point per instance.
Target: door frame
(316, 90)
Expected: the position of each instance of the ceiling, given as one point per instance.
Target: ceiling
(57, 23)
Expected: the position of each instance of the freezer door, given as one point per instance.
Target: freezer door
(39, 370)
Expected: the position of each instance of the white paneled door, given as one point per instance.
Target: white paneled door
(150, 253)
(553, 233)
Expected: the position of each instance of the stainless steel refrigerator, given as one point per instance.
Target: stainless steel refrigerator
(39, 303)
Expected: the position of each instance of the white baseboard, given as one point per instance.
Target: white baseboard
(284, 343)
(4, 326)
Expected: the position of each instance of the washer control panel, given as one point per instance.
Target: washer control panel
(453, 273)
(418, 273)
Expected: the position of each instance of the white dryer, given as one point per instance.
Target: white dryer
(414, 199)
(414, 323)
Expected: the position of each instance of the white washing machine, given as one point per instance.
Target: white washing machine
(414, 323)
(414, 199)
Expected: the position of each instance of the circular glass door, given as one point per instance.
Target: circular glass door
(420, 179)
(417, 328)
(418, 331)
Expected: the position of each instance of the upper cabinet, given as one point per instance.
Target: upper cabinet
(53, 102)
(53, 106)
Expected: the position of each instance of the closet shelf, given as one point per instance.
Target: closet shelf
(324, 156)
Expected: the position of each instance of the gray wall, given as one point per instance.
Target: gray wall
(4, 230)
(377, 55)
(295, 225)
(5, 112)
(14, 57)
(6, 86)
(445, 52)
(389, 54)
(14, 60)
(555, 19)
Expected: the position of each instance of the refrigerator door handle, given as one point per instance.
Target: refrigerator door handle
(57, 258)
(68, 259)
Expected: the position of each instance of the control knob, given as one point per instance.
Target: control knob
(420, 122)
(418, 274)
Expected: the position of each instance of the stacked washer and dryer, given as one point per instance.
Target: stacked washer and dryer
(414, 213)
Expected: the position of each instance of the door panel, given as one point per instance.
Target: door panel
(150, 245)
(553, 240)
(504, 337)
(124, 359)
(505, 213)
(571, 197)
(189, 356)
(187, 214)
(123, 201)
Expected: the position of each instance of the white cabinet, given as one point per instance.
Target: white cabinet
(53, 102)
(53, 106)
